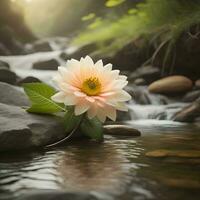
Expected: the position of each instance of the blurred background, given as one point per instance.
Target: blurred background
(129, 33)
(156, 43)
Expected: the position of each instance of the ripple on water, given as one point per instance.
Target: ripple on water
(118, 167)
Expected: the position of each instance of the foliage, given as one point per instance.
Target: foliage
(40, 96)
(166, 19)
(92, 128)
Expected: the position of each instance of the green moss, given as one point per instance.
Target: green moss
(167, 18)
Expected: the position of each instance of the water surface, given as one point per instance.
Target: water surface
(117, 168)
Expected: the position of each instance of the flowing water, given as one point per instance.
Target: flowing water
(162, 164)
(117, 168)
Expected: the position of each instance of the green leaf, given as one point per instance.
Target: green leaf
(40, 96)
(88, 17)
(92, 128)
(71, 121)
(113, 3)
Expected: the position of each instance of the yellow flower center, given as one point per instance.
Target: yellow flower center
(91, 86)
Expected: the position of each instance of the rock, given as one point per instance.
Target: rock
(181, 183)
(132, 55)
(57, 195)
(123, 116)
(191, 96)
(82, 51)
(163, 153)
(121, 130)
(7, 76)
(197, 84)
(28, 79)
(51, 64)
(140, 81)
(12, 95)
(22, 130)
(140, 95)
(64, 56)
(148, 73)
(189, 113)
(41, 46)
(4, 51)
(4, 64)
(171, 85)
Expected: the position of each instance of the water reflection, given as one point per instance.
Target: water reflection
(119, 166)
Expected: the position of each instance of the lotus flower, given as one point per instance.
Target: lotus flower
(91, 87)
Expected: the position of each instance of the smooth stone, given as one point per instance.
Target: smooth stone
(171, 85)
(64, 56)
(51, 64)
(28, 79)
(181, 183)
(57, 195)
(12, 95)
(121, 130)
(163, 153)
(7, 76)
(140, 81)
(41, 46)
(22, 130)
(197, 84)
(4, 64)
(191, 96)
(189, 113)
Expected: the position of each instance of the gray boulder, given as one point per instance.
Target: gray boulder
(189, 113)
(22, 130)
(51, 64)
(12, 95)
(7, 76)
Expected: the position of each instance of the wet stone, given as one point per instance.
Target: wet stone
(197, 84)
(163, 153)
(12, 95)
(171, 85)
(28, 79)
(121, 130)
(4, 64)
(7, 76)
(181, 183)
(51, 64)
(191, 96)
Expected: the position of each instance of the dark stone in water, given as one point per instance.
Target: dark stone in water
(181, 183)
(121, 130)
(4, 51)
(28, 79)
(12, 95)
(7, 76)
(123, 116)
(51, 64)
(140, 81)
(64, 56)
(82, 51)
(162, 153)
(4, 64)
(191, 96)
(197, 84)
(189, 113)
(21, 130)
(57, 195)
(41, 46)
